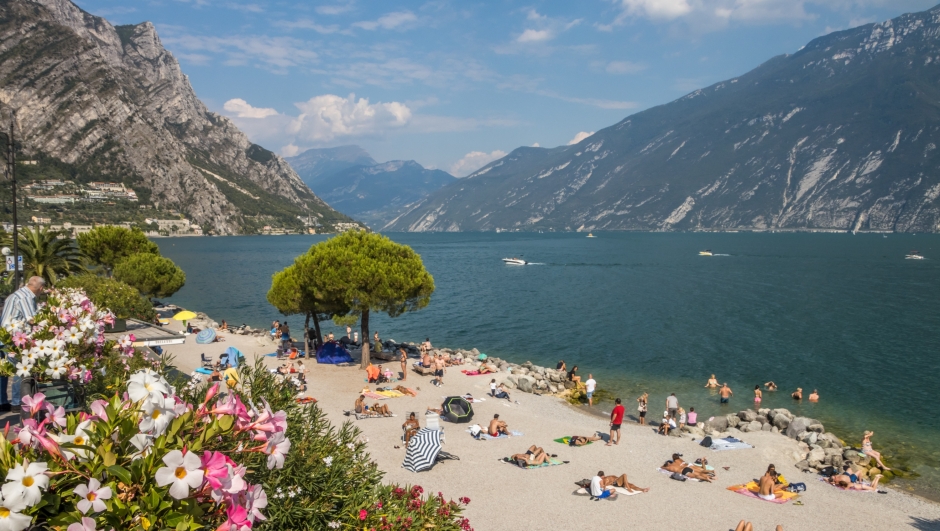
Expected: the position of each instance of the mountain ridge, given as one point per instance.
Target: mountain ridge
(114, 101)
(840, 135)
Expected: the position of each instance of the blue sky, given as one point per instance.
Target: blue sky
(455, 84)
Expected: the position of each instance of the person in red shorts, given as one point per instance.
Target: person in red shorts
(616, 419)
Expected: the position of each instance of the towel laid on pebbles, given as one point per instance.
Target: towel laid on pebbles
(551, 461)
(619, 490)
(485, 436)
(375, 396)
(669, 473)
(567, 441)
(751, 489)
(474, 373)
(728, 443)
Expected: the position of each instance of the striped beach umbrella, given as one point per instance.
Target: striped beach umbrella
(206, 336)
(422, 450)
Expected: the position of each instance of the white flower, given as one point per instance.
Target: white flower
(56, 371)
(10, 517)
(277, 448)
(93, 496)
(181, 472)
(328, 460)
(157, 416)
(142, 442)
(145, 382)
(25, 483)
(79, 438)
(73, 336)
(334, 524)
(40, 349)
(23, 367)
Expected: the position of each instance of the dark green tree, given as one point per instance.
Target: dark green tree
(367, 273)
(152, 275)
(123, 300)
(107, 245)
(46, 253)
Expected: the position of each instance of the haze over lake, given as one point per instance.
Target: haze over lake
(847, 315)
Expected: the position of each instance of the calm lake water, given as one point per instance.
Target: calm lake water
(846, 315)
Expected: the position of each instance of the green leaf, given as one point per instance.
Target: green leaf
(109, 459)
(226, 422)
(121, 473)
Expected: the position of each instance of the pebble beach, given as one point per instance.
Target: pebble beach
(505, 497)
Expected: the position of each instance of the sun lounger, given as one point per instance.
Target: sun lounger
(751, 489)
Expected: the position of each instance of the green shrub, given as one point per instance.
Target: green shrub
(123, 300)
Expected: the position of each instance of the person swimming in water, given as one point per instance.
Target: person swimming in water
(712, 382)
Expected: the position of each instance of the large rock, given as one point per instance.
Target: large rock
(781, 422)
(837, 461)
(782, 411)
(809, 437)
(733, 420)
(752, 426)
(798, 425)
(767, 427)
(695, 431)
(816, 457)
(525, 383)
(717, 424)
(817, 427)
(748, 415)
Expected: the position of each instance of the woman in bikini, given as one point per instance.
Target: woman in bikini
(712, 382)
(411, 427)
(641, 407)
(404, 364)
(867, 449)
(757, 396)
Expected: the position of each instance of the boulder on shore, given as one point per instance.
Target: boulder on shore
(748, 415)
(798, 425)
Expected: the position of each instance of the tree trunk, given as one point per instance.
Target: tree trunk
(307, 352)
(364, 321)
(316, 328)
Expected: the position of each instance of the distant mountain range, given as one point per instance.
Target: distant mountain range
(112, 104)
(841, 135)
(352, 182)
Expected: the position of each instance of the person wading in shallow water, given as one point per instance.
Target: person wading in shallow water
(726, 393)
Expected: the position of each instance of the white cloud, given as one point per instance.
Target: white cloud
(624, 67)
(326, 117)
(579, 137)
(272, 53)
(242, 109)
(657, 9)
(336, 9)
(710, 15)
(473, 161)
(289, 150)
(531, 35)
(393, 20)
(536, 145)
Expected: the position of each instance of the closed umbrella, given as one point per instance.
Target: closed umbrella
(422, 450)
(457, 409)
(206, 336)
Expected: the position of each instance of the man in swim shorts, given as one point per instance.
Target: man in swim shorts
(497, 427)
(726, 393)
(599, 491)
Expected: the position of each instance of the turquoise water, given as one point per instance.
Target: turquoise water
(643, 312)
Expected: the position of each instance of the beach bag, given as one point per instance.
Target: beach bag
(678, 477)
(476, 430)
(584, 483)
(706, 442)
(828, 472)
(796, 487)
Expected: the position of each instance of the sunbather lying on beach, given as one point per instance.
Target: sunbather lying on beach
(620, 481)
(533, 456)
(846, 482)
(377, 409)
(744, 525)
(580, 440)
(405, 390)
(497, 426)
(679, 466)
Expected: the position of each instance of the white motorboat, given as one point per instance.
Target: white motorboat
(706, 252)
(515, 261)
(914, 255)
(591, 235)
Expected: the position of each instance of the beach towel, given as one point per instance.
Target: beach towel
(620, 490)
(473, 373)
(550, 462)
(728, 443)
(485, 435)
(391, 393)
(669, 473)
(567, 441)
(751, 489)
(850, 490)
(374, 396)
(361, 416)
(203, 370)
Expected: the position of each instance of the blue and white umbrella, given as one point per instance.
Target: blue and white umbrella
(422, 450)
(206, 336)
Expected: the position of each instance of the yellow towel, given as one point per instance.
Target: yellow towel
(390, 393)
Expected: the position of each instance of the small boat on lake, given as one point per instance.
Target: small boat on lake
(914, 255)
(514, 261)
(706, 252)
(591, 235)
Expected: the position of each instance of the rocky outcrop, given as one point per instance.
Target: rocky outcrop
(841, 135)
(113, 102)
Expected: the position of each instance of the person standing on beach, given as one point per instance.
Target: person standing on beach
(616, 419)
(285, 337)
(726, 393)
(672, 405)
(641, 407)
(439, 368)
(404, 364)
(377, 343)
(590, 384)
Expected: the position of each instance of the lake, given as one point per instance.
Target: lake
(844, 314)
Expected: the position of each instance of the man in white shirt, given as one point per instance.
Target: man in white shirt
(590, 384)
(19, 306)
(597, 489)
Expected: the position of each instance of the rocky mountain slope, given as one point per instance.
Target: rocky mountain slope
(841, 135)
(114, 102)
(353, 183)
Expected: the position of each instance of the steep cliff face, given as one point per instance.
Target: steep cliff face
(114, 100)
(840, 135)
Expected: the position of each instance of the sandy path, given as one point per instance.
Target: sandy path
(504, 497)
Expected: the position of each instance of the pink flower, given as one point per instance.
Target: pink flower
(237, 519)
(363, 514)
(87, 524)
(57, 414)
(277, 448)
(33, 404)
(256, 499)
(215, 465)
(98, 407)
(34, 434)
(20, 339)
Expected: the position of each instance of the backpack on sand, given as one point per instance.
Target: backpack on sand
(706, 442)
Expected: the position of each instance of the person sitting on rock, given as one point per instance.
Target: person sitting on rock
(620, 481)
(667, 424)
(497, 427)
(573, 375)
(580, 440)
(411, 427)
(870, 452)
(798, 394)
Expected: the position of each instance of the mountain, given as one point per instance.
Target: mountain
(841, 135)
(113, 103)
(315, 166)
(353, 183)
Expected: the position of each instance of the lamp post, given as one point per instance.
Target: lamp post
(11, 168)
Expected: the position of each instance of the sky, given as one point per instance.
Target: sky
(457, 84)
